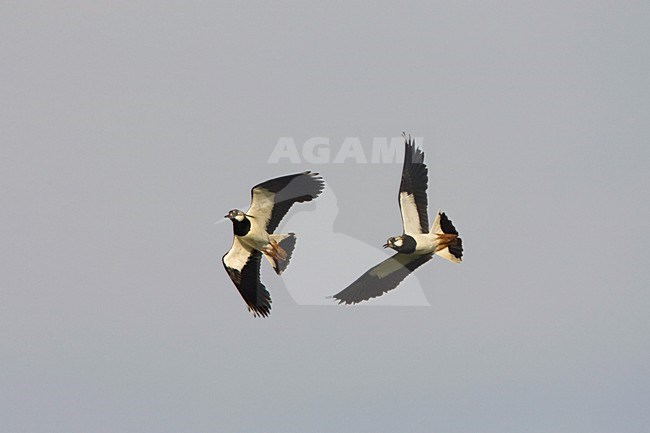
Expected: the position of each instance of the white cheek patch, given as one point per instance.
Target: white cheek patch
(239, 217)
(398, 242)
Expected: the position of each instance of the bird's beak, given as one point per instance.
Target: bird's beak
(226, 216)
(386, 245)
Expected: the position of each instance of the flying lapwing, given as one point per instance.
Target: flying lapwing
(417, 245)
(254, 238)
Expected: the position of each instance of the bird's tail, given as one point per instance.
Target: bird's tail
(450, 245)
(279, 253)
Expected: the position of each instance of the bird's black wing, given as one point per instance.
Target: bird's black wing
(271, 200)
(413, 190)
(243, 267)
(380, 279)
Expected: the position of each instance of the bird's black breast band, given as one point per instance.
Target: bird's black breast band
(241, 228)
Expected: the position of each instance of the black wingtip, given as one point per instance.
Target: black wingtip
(302, 187)
(261, 312)
(412, 153)
(340, 301)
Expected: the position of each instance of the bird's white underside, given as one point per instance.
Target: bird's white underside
(410, 216)
(262, 205)
(238, 255)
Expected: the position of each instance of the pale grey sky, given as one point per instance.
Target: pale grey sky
(127, 129)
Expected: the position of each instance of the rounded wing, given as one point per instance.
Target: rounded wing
(413, 190)
(271, 200)
(242, 264)
(381, 278)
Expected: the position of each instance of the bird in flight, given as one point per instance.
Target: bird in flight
(417, 244)
(254, 237)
